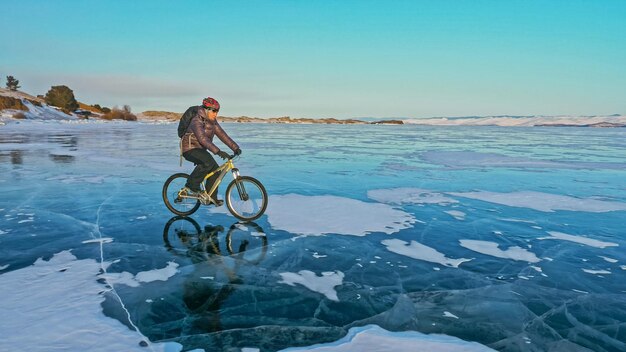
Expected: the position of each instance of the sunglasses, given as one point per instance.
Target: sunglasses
(211, 109)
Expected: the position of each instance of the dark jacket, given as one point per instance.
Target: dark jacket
(201, 131)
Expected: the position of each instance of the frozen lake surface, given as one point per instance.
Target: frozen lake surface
(403, 238)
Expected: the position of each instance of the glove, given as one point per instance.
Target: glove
(238, 151)
(222, 154)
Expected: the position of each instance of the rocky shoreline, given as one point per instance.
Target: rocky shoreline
(170, 116)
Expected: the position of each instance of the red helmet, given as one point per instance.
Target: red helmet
(209, 102)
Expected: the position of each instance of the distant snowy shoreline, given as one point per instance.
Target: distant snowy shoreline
(504, 121)
(525, 121)
(542, 121)
(34, 108)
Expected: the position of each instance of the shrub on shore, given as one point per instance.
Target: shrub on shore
(62, 97)
(102, 109)
(120, 114)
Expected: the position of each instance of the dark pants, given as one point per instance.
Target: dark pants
(204, 164)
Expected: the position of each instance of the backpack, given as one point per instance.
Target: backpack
(185, 120)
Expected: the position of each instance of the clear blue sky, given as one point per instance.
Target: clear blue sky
(325, 58)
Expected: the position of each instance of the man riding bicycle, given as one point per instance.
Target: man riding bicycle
(194, 144)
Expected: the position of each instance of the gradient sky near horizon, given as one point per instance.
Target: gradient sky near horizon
(325, 58)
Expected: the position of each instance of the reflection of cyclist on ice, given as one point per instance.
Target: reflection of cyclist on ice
(215, 272)
(202, 295)
(197, 138)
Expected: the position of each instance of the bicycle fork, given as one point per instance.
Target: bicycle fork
(240, 188)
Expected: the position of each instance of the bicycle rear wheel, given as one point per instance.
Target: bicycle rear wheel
(246, 198)
(174, 200)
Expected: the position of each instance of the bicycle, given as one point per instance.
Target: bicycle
(245, 196)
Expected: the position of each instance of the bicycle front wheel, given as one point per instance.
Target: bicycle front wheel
(175, 200)
(246, 198)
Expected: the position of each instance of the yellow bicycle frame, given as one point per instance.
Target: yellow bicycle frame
(223, 169)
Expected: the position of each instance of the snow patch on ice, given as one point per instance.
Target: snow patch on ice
(491, 248)
(158, 274)
(128, 279)
(62, 310)
(323, 284)
(419, 251)
(517, 220)
(99, 240)
(596, 272)
(578, 239)
(123, 278)
(72, 179)
(373, 338)
(459, 215)
(545, 202)
(449, 315)
(409, 196)
(318, 215)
